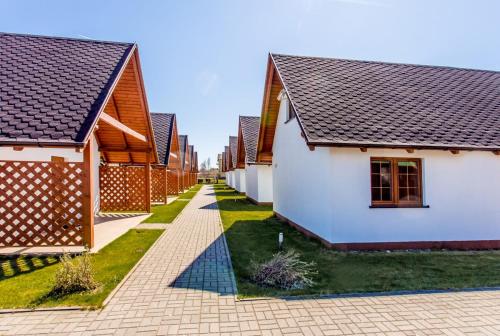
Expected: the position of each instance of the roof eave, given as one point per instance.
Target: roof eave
(36, 143)
(362, 144)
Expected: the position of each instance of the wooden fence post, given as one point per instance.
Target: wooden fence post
(147, 180)
(88, 193)
(165, 170)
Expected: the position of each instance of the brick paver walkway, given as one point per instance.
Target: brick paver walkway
(184, 286)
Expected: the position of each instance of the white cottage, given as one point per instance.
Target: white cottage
(370, 155)
(257, 177)
(232, 175)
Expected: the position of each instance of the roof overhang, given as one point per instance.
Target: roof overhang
(123, 127)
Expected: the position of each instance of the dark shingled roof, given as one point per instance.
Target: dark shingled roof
(182, 146)
(233, 145)
(191, 156)
(163, 124)
(195, 162)
(51, 89)
(226, 157)
(372, 103)
(250, 130)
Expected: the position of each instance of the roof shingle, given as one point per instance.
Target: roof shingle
(372, 103)
(233, 146)
(250, 130)
(51, 89)
(163, 128)
(182, 146)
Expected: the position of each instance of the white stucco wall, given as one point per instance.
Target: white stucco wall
(45, 154)
(240, 181)
(40, 154)
(462, 191)
(230, 178)
(327, 191)
(259, 182)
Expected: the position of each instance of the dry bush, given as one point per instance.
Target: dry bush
(286, 271)
(74, 276)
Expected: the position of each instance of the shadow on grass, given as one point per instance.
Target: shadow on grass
(10, 267)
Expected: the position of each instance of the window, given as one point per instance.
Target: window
(396, 182)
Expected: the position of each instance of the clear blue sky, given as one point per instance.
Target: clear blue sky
(205, 60)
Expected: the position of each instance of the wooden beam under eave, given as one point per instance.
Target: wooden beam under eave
(410, 150)
(124, 150)
(455, 151)
(363, 149)
(496, 152)
(121, 127)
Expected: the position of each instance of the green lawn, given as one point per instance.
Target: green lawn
(26, 281)
(168, 212)
(252, 234)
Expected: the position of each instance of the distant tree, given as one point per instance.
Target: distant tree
(208, 164)
(203, 166)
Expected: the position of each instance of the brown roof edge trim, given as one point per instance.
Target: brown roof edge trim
(401, 146)
(265, 100)
(259, 163)
(291, 101)
(110, 93)
(10, 143)
(146, 105)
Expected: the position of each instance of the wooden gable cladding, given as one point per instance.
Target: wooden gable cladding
(240, 151)
(187, 159)
(269, 115)
(127, 104)
(174, 154)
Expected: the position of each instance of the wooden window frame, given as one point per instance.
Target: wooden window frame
(395, 202)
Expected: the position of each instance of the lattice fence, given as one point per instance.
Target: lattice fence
(173, 182)
(41, 203)
(122, 188)
(158, 185)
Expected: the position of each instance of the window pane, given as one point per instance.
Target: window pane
(376, 194)
(412, 194)
(402, 169)
(386, 194)
(375, 180)
(375, 167)
(402, 181)
(412, 181)
(385, 167)
(386, 180)
(403, 194)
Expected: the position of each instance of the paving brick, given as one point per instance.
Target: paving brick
(184, 286)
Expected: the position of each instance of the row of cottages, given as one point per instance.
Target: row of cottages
(371, 155)
(76, 138)
(231, 172)
(256, 177)
(172, 154)
(239, 163)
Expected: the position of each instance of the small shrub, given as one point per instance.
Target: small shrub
(286, 271)
(74, 276)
